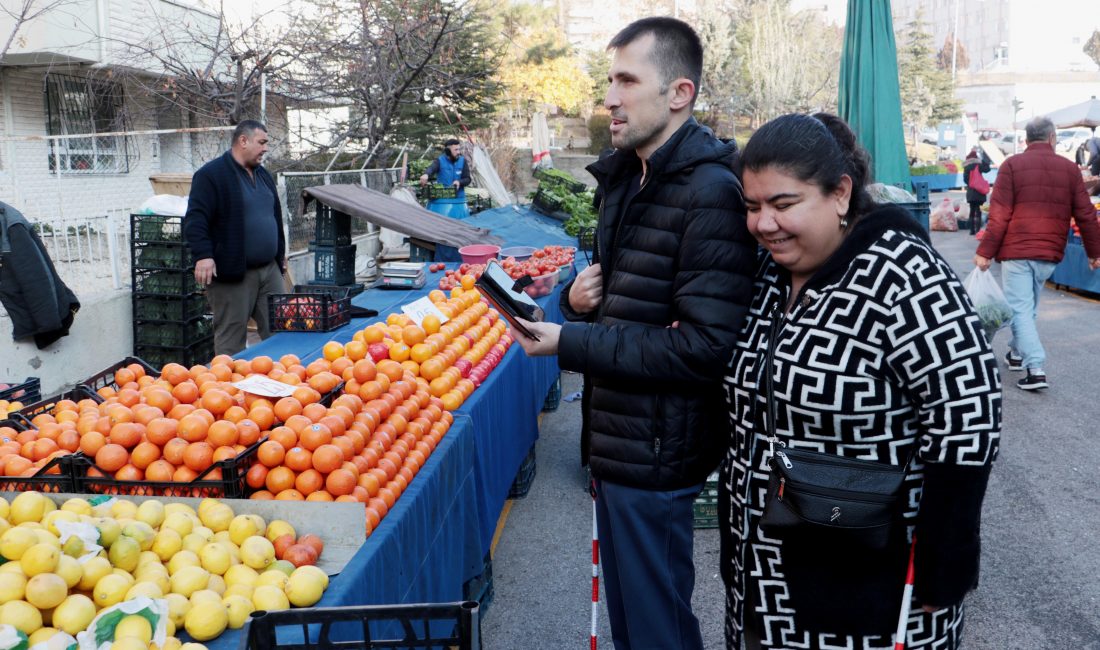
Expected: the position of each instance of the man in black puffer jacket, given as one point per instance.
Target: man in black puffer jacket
(653, 325)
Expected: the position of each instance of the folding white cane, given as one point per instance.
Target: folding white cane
(906, 596)
(595, 569)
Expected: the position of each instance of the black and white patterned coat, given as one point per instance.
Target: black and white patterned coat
(881, 354)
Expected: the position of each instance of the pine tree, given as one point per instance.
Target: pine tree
(927, 92)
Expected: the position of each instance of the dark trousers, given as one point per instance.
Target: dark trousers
(233, 303)
(975, 217)
(648, 572)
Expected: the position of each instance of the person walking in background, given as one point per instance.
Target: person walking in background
(1036, 194)
(974, 195)
(449, 169)
(651, 325)
(840, 345)
(234, 228)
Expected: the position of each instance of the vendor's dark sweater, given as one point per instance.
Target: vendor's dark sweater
(214, 225)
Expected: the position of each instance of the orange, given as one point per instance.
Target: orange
(184, 474)
(198, 456)
(468, 281)
(309, 481)
(159, 470)
(289, 495)
(111, 457)
(262, 365)
(332, 350)
(319, 495)
(271, 454)
(186, 392)
(390, 368)
(363, 370)
(327, 458)
(129, 473)
(262, 495)
(144, 455)
(234, 413)
(222, 433)
(340, 482)
(355, 350)
(279, 479)
(91, 442)
(248, 432)
(224, 453)
(299, 460)
(263, 416)
(256, 476)
(174, 373)
(126, 434)
(287, 407)
(314, 412)
(374, 334)
(285, 436)
(216, 401)
(315, 435)
(173, 450)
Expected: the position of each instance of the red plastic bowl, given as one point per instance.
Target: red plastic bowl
(478, 253)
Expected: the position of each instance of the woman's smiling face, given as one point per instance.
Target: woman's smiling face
(798, 222)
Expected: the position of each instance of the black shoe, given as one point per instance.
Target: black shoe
(1015, 363)
(1033, 381)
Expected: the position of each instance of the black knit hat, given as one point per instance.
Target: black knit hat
(451, 141)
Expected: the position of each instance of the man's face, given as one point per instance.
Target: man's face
(636, 97)
(253, 147)
(453, 150)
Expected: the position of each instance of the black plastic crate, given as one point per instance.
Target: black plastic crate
(432, 191)
(555, 180)
(333, 228)
(334, 264)
(170, 308)
(78, 393)
(545, 204)
(706, 504)
(230, 485)
(200, 352)
(524, 477)
(27, 391)
(106, 377)
(155, 228)
(55, 476)
(352, 289)
(309, 308)
(479, 588)
(163, 282)
(553, 396)
(370, 627)
(173, 334)
(160, 255)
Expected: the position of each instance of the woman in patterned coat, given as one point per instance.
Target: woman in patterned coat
(878, 355)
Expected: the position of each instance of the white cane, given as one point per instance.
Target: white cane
(595, 568)
(906, 596)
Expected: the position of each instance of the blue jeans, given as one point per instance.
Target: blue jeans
(1023, 284)
(648, 572)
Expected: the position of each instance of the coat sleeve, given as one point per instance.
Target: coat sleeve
(711, 293)
(31, 270)
(944, 364)
(198, 220)
(433, 169)
(1000, 213)
(464, 178)
(567, 310)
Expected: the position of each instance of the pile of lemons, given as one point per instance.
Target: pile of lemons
(211, 566)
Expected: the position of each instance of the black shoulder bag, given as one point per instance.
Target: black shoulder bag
(812, 493)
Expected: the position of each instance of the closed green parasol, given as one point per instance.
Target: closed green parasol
(869, 97)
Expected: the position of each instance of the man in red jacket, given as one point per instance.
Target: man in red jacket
(1033, 199)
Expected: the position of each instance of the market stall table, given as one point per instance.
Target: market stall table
(1073, 271)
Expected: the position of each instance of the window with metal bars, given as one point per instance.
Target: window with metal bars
(85, 106)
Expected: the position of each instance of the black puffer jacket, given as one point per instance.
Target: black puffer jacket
(682, 254)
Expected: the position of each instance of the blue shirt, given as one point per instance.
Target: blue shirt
(261, 242)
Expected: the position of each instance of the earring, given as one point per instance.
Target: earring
(843, 223)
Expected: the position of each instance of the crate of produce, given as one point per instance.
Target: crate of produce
(170, 308)
(706, 504)
(163, 282)
(309, 308)
(224, 479)
(547, 204)
(334, 264)
(160, 255)
(553, 396)
(26, 391)
(199, 352)
(55, 476)
(47, 405)
(366, 627)
(479, 588)
(106, 378)
(156, 228)
(173, 334)
(524, 477)
(557, 178)
(332, 228)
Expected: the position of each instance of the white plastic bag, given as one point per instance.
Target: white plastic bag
(944, 217)
(989, 301)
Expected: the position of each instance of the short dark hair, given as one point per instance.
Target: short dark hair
(1039, 129)
(677, 51)
(451, 141)
(246, 127)
(816, 149)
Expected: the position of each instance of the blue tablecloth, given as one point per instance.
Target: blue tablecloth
(442, 526)
(1073, 271)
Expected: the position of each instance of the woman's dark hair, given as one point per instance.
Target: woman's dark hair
(816, 149)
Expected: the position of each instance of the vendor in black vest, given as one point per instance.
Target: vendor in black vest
(234, 228)
(450, 169)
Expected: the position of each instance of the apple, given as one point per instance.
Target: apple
(378, 351)
(464, 366)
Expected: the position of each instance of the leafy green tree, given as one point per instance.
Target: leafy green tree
(927, 91)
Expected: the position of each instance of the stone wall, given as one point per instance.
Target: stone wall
(573, 163)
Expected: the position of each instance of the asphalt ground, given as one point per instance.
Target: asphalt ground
(1040, 562)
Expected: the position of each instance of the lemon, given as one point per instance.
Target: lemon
(204, 595)
(46, 590)
(124, 553)
(192, 646)
(28, 506)
(244, 526)
(169, 508)
(4, 526)
(151, 512)
(188, 580)
(222, 537)
(309, 568)
(183, 559)
(278, 528)
(110, 590)
(77, 505)
(73, 547)
(20, 614)
(12, 587)
(123, 509)
(257, 552)
(216, 584)
(272, 578)
(239, 608)
(5, 509)
(241, 574)
(169, 628)
(130, 643)
(194, 542)
(148, 557)
(48, 538)
(147, 589)
(12, 567)
(59, 515)
(304, 589)
(180, 522)
(125, 575)
(94, 570)
(215, 558)
(140, 532)
(109, 530)
(206, 620)
(134, 626)
(270, 598)
(238, 590)
(43, 635)
(15, 542)
(40, 558)
(69, 570)
(178, 606)
(205, 505)
(170, 643)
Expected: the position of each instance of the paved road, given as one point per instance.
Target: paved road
(1039, 587)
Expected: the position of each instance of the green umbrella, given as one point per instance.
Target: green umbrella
(869, 97)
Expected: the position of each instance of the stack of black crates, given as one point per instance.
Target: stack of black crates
(333, 252)
(172, 322)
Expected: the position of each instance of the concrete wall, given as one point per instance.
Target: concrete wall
(573, 163)
(100, 336)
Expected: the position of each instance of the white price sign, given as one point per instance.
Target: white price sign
(418, 309)
(265, 386)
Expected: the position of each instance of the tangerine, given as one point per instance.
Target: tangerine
(271, 454)
(248, 432)
(287, 407)
(173, 450)
(279, 479)
(111, 457)
(299, 459)
(256, 476)
(340, 482)
(327, 458)
(198, 456)
(159, 470)
(315, 435)
(309, 481)
(144, 455)
(91, 442)
(222, 433)
(192, 427)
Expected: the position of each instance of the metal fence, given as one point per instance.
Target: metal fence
(88, 250)
(291, 184)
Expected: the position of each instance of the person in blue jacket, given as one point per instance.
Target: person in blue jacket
(450, 169)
